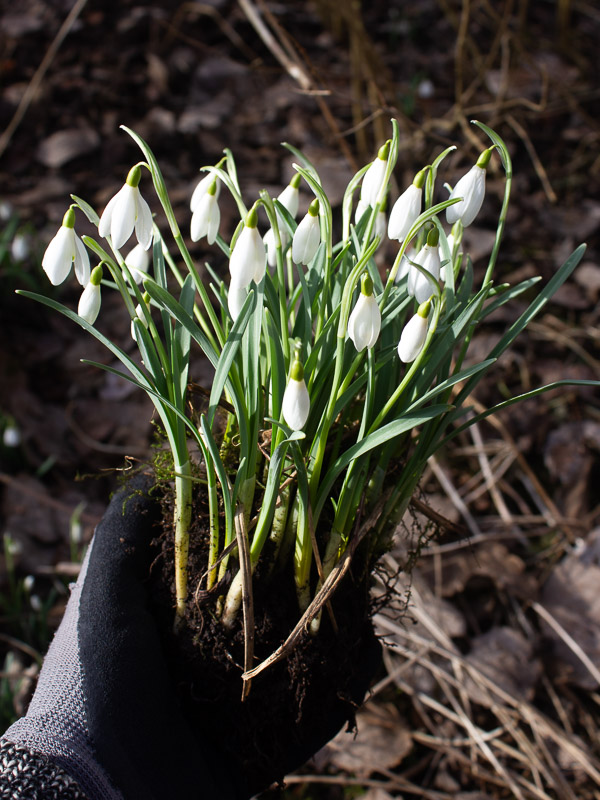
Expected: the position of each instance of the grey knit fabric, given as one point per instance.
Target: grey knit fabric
(25, 775)
(55, 724)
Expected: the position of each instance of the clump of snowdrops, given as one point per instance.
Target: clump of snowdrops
(328, 371)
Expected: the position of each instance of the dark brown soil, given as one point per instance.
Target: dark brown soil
(293, 707)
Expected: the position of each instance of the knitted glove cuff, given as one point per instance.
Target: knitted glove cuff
(24, 773)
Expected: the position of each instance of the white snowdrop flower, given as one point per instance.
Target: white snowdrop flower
(127, 211)
(380, 224)
(428, 257)
(89, 302)
(307, 236)
(65, 249)
(372, 181)
(414, 334)
(295, 406)
(11, 436)
(361, 207)
(471, 187)
(289, 199)
(248, 259)
(206, 216)
(202, 188)
(6, 211)
(140, 314)
(28, 583)
(138, 263)
(406, 209)
(364, 323)
(235, 299)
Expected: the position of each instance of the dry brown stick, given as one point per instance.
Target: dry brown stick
(38, 77)
(247, 597)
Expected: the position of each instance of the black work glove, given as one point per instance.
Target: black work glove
(105, 709)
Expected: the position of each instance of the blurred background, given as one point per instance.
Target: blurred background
(492, 672)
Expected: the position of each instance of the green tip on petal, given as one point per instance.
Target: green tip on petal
(134, 176)
(419, 179)
(366, 284)
(424, 308)
(433, 237)
(252, 218)
(69, 218)
(313, 208)
(384, 151)
(484, 158)
(212, 189)
(96, 276)
(146, 298)
(295, 182)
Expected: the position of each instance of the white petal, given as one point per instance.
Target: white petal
(105, 219)
(380, 224)
(471, 187)
(138, 262)
(364, 323)
(59, 255)
(295, 406)
(249, 258)
(89, 303)
(214, 221)
(289, 199)
(269, 243)
(372, 182)
(82, 262)
(143, 221)
(123, 214)
(429, 258)
(412, 339)
(307, 238)
(201, 189)
(404, 212)
(235, 300)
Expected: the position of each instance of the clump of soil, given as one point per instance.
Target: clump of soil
(296, 705)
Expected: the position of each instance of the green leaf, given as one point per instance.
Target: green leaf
(87, 210)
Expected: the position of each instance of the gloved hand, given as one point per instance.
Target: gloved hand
(105, 709)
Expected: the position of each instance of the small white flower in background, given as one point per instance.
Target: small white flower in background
(407, 208)
(289, 199)
(138, 263)
(364, 323)
(248, 259)
(428, 257)
(126, 212)
(11, 436)
(206, 216)
(139, 313)
(20, 247)
(471, 187)
(65, 249)
(307, 236)
(202, 188)
(372, 181)
(235, 299)
(6, 211)
(414, 334)
(89, 302)
(295, 406)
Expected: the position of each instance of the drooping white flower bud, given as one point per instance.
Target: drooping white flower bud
(372, 182)
(414, 334)
(202, 188)
(138, 263)
(295, 406)
(289, 199)
(139, 313)
(89, 302)
(307, 236)
(248, 258)
(127, 211)
(405, 265)
(206, 217)
(428, 257)
(66, 248)
(406, 209)
(364, 323)
(471, 187)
